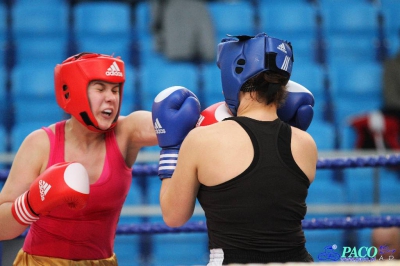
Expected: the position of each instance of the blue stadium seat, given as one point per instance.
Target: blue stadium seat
(394, 45)
(357, 18)
(3, 143)
(304, 49)
(389, 185)
(144, 34)
(3, 139)
(362, 80)
(391, 9)
(40, 111)
(291, 21)
(189, 249)
(6, 117)
(103, 27)
(341, 2)
(40, 31)
(105, 45)
(325, 191)
(288, 18)
(2, 52)
(21, 130)
(359, 184)
(154, 185)
(347, 136)
(3, 79)
(157, 77)
(273, 2)
(356, 88)
(323, 134)
(232, 17)
(126, 248)
(148, 56)
(147, 52)
(341, 48)
(143, 18)
(134, 196)
(350, 30)
(39, 20)
(364, 237)
(33, 81)
(107, 19)
(33, 94)
(45, 2)
(3, 22)
(311, 75)
(128, 96)
(44, 49)
(212, 84)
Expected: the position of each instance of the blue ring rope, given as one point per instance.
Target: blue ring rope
(146, 169)
(310, 224)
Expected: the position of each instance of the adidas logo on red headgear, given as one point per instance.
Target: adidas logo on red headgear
(114, 70)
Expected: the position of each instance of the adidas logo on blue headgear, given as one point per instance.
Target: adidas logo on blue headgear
(242, 57)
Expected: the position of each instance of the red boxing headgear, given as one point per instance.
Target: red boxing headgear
(72, 78)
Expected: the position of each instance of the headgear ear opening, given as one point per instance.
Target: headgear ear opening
(242, 57)
(72, 78)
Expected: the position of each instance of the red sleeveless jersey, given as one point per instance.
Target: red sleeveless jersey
(89, 233)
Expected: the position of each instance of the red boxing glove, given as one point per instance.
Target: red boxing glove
(62, 183)
(213, 114)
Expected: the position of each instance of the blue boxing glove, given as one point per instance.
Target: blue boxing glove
(175, 112)
(297, 110)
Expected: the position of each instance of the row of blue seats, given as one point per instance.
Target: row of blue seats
(56, 50)
(49, 22)
(300, 16)
(356, 89)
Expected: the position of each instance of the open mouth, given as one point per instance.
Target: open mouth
(107, 112)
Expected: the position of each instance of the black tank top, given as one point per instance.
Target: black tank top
(262, 208)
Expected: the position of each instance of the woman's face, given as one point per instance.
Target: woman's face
(104, 98)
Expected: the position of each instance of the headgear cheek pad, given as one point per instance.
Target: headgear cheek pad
(72, 78)
(242, 57)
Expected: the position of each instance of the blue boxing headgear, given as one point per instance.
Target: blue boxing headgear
(243, 57)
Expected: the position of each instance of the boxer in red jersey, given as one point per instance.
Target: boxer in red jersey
(69, 180)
